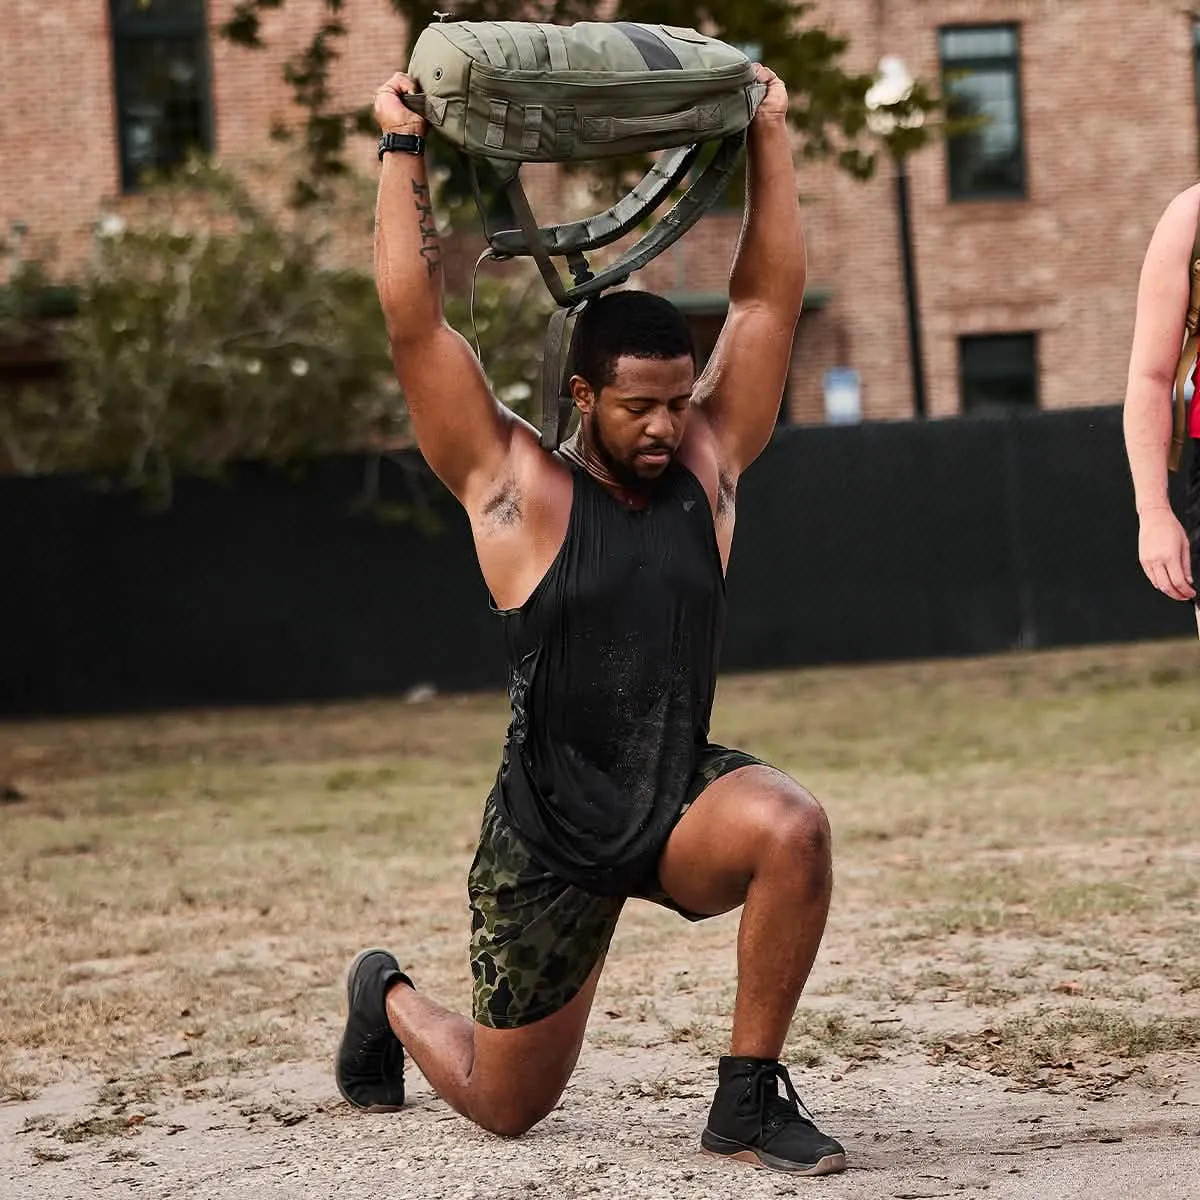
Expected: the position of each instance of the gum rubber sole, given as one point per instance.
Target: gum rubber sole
(719, 1147)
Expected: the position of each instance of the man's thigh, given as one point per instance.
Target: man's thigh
(722, 838)
(536, 941)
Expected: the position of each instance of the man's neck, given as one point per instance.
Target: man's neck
(578, 448)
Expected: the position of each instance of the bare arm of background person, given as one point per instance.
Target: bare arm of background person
(1157, 337)
(742, 386)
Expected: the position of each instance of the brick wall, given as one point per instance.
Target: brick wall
(1109, 122)
(1110, 136)
(58, 155)
(58, 135)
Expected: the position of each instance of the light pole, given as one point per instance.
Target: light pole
(893, 87)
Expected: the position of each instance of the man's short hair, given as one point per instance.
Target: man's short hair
(638, 324)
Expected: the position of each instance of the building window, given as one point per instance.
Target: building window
(982, 85)
(160, 65)
(998, 373)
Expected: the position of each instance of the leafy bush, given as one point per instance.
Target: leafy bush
(216, 330)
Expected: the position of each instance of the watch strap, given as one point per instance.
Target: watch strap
(405, 143)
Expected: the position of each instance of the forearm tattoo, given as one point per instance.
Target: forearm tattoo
(431, 250)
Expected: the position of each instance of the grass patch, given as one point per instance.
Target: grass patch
(1027, 1047)
(1189, 980)
(17, 1085)
(45, 1154)
(94, 1127)
(814, 1034)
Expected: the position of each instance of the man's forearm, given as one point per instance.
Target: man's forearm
(408, 253)
(1148, 426)
(771, 260)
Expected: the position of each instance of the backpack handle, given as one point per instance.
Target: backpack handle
(603, 228)
(572, 239)
(432, 109)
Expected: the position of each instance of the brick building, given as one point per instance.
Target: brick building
(1027, 234)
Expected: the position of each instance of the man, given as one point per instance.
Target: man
(1163, 296)
(605, 562)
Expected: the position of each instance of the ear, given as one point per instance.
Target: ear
(582, 394)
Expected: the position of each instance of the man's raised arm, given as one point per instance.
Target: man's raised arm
(743, 384)
(461, 429)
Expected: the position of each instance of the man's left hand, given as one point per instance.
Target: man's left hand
(774, 104)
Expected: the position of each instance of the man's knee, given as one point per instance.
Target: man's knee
(795, 831)
(512, 1117)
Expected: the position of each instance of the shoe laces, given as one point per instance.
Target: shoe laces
(774, 1110)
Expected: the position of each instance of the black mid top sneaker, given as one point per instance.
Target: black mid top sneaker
(369, 1068)
(752, 1122)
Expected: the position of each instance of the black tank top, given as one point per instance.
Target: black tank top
(612, 673)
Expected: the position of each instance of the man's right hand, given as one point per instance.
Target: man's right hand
(390, 112)
(1165, 555)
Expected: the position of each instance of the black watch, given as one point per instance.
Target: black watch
(407, 143)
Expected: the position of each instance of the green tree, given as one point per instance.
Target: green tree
(198, 342)
(211, 330)
(216, 329)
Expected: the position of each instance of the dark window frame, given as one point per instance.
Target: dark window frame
(1035, 372)
(145, 26)
(981, 62)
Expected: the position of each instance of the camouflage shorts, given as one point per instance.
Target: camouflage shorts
(536, 938)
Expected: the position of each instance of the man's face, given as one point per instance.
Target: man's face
(637, 421)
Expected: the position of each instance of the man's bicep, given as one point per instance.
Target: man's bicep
(461, 429)
(743, 384)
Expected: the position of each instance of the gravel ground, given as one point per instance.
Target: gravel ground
(912, 1130)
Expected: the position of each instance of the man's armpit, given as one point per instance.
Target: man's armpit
(503, 505)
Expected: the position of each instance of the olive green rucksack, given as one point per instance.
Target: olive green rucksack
(512, 92)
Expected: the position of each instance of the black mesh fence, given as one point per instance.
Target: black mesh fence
(880, 541)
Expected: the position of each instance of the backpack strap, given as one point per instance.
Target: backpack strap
(599, 230)
(573, 239)
(557, 401)
(1187, 356)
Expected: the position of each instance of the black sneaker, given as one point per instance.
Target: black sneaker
(369, 1068)
(752, 1122)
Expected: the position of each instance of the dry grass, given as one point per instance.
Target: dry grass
(1019, 873)
(1028, 1048)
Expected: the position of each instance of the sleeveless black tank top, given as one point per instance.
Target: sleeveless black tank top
(612, 673)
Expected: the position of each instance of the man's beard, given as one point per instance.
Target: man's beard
(621, 472)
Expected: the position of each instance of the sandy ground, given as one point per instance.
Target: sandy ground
(911, 1130)
(183, 924)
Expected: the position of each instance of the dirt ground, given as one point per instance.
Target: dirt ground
(1007, 1003)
